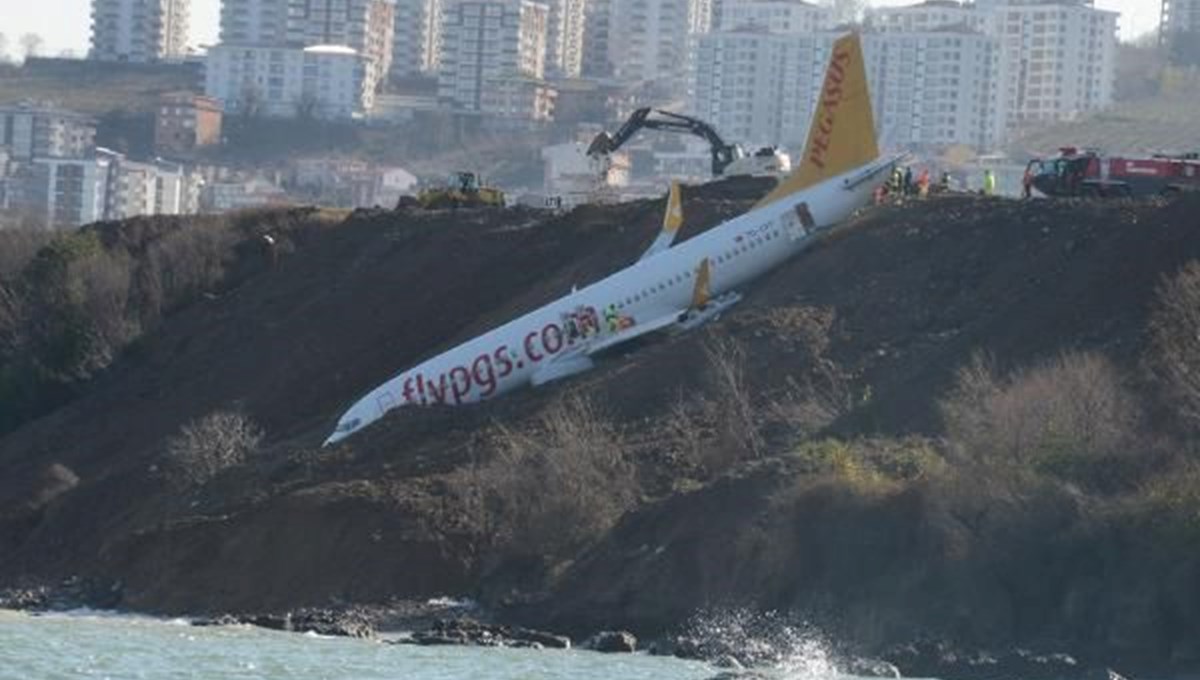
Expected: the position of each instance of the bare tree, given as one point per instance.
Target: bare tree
(31, 44)
(205, 447)
(1175, 339)
(3, 48)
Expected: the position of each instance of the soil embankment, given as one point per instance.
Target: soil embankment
(855, 341)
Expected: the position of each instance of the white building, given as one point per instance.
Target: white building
(417, 40)
(758, 88)
(574, 177)
(1179, 16)
(1057, 57)
(929, 90)
(262, 23)
(936, 88)
(67, 192)
(773, 16)
(1058, 60)
(139, 30)
(596, 20)
(494, 58)
(651, 41)
(929, 16)
(564, 37)
(28, 131)
(365, 26)
(328, 82)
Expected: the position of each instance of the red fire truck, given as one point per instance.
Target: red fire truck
(1088, 173)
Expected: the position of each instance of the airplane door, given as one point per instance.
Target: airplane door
(386, 402)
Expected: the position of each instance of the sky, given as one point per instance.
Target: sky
(65, 24)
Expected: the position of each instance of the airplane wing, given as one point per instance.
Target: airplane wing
(672, 221)
(703, 308)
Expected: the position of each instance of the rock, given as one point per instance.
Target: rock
(728, 661)
(222, 620)
(467, 631)
(612, 641)
(542, 638)
(333, 623)
(870, 668)
(269, 621)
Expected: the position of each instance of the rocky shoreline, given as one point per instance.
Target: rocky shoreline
(462, 623)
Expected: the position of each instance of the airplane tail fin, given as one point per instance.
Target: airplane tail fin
(842, 134)
(673, 218)
(672, 221)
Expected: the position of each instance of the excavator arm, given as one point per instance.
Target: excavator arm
(656, 119)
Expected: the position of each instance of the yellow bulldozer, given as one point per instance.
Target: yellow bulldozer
(464, 190)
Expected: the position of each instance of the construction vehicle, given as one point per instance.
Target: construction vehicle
(464, 190)
(727, 159)
(1076, 172)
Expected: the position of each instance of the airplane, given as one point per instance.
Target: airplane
(670, 288)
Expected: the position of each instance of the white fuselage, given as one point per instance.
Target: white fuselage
(511, 355)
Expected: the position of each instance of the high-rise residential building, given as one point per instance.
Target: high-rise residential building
(364, 25)
(262, 23)
(759, 88)
(772, 16)
(595, 62)
(66, 192)
(494, 58)
(1180, 20)
(935, 89)
(652, 41)
(28, 131)
(328, 82)
(929, 89)
(564, 37)
(929, 16)
(185, 121)
(139, 30)
(1058, 59)
(417, 41)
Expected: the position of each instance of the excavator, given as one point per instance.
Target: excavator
(727, 159)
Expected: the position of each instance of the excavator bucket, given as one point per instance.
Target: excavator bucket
(601, 145)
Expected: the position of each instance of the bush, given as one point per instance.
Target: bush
(208, 446)
(1074, 405)
(1174, 355)
(558, 483)
(872, 462)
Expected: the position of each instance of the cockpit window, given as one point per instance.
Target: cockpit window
(349, 425)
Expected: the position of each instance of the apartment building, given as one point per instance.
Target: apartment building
(494, 58)
(565, 26)
(30, 131)
(1179, 16)
(1058, 59)
(758, 88)
(595, 62)
(66, 192)
(139, 30)
(255, 22)
(186, 121)
(929, 89)
(773, 16)
(367, 26)
(417, 37)
(652, 41)
(328, 82)
(934, 89)
(930, 15)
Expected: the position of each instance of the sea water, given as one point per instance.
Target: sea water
(97, 645)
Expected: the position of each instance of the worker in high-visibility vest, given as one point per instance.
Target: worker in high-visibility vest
(989, 182)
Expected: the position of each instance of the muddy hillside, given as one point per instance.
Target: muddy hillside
(815, 450)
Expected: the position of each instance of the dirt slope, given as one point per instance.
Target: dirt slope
(915, 290)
